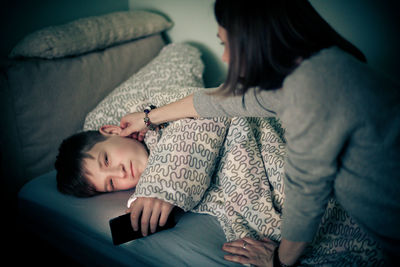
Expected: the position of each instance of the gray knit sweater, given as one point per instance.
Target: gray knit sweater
(342, 125)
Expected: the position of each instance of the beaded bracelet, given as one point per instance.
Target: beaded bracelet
(147, 122)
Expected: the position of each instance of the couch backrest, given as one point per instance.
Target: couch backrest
(44, 101)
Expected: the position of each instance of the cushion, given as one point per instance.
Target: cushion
(88, 34)
(177, 67)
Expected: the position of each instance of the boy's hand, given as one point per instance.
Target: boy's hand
(154, 212)
(133, 125)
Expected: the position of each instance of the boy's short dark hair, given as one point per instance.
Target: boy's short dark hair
(71, 171)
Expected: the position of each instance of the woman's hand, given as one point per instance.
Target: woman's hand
(133, 125)
(250, 251)
(153, 212)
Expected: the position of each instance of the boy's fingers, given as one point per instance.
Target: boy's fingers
(136, 210)
(127, 131)
(134, 221)
(155, 215)
(146, 214)
(165, 211)
(151, 211)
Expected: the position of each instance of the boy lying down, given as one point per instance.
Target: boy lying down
(94, 162)
(175, 167)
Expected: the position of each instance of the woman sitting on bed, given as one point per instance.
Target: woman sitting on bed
(341, 120)
(94, 162)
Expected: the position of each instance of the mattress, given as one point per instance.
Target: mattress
(79, 228)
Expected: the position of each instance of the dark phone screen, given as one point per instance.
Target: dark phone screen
(122, 231)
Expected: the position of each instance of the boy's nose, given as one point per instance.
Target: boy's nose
(119, 171)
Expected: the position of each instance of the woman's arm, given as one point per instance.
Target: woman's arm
(180, 109)
(255, 103)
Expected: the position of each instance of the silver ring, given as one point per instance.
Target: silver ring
(244, 244)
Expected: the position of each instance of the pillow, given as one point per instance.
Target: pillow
(89, 34)
(176, 72)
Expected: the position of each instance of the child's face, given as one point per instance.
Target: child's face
(117, 164)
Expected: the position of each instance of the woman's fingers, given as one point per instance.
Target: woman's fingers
(238, 252)
(250, 240)
(243, 243)
(127, 131)
(141, 134)
(238, 259)
(134, 136)
(270, 244)
(235, 248)
(250, 251)
(132, 123)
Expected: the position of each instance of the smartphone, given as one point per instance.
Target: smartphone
(122, 231)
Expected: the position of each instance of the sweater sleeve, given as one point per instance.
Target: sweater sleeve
(318, 125)
(254, 103)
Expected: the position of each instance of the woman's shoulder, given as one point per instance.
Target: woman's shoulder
(327, 74)
(325, 66)
(333, 81)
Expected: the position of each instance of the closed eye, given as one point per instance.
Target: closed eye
(112, 185)
(106, 160)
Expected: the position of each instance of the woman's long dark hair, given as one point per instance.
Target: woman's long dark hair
(266, 37)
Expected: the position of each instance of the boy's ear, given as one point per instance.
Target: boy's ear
(110, 130)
